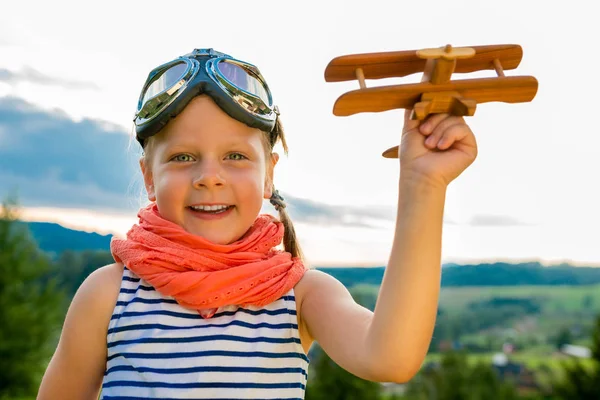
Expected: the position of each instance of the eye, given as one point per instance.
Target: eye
(182, 158)
(236, 156)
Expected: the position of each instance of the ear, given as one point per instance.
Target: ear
(268, 190)
(148, 179)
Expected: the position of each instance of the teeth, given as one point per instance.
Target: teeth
(210, 208)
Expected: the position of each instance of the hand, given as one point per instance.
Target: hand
(436, 150)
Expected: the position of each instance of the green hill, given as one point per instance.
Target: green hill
(54, 239)
(496, 274)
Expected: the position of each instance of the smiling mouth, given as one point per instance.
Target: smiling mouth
(210, 209)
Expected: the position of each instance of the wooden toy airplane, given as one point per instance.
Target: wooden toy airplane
(436, 93)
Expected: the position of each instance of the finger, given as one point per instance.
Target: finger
(441, 124)
(452, 134)
(432, 121)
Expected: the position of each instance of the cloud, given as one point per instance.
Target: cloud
(309, 211)
(31, 75)
(495, 220)
(51, 160)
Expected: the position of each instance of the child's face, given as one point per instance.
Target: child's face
(205, 157)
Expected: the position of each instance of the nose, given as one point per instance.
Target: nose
(208, 174)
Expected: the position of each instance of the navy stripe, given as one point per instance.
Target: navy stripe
(279, 311)
(208, 338)
(199, 385)
(189, 398)
(243, 324)
(207, 369)
(208, 353)
(146, 301)
(196, 315)
(130, 279)
(146, 288)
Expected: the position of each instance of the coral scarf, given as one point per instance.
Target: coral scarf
(203, 275)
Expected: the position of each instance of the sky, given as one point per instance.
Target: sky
(70, 75)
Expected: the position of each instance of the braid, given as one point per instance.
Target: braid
(290, 241)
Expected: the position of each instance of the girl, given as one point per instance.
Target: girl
(200, 302)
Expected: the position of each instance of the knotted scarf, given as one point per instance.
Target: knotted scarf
(203, 275)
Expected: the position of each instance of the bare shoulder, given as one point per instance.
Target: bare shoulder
(315, 293)
(107, 277)
(99, 291)
(329, 315)
(315, 281)
(77, 367)
(97, 295)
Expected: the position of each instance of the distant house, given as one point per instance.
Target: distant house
(393, 389)
(576, 351)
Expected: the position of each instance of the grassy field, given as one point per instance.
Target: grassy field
(560, 307)
(566, 300)
(554, 299)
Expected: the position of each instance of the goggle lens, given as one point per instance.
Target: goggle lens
(244, 80)
(165, 80)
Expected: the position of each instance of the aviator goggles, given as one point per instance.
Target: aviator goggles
(236, 86)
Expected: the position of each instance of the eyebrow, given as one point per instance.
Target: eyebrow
(185, 145)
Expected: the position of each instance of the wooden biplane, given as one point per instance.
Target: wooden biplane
(436, 93)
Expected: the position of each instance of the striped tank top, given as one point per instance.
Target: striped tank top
(160, 350)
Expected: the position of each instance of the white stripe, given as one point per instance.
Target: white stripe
(160, 393)
(212, 377)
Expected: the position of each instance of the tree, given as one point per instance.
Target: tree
(582, 381)
(564, 337)
(73, 267)
(31, 309)
(328, 381)
(365, 295)
(455, 379)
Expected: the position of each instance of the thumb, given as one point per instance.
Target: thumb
(410, 124)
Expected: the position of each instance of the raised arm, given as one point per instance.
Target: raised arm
(77, 367)
(391, 343)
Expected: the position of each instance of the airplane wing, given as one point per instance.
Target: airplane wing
(404, 63)
(511, 89)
